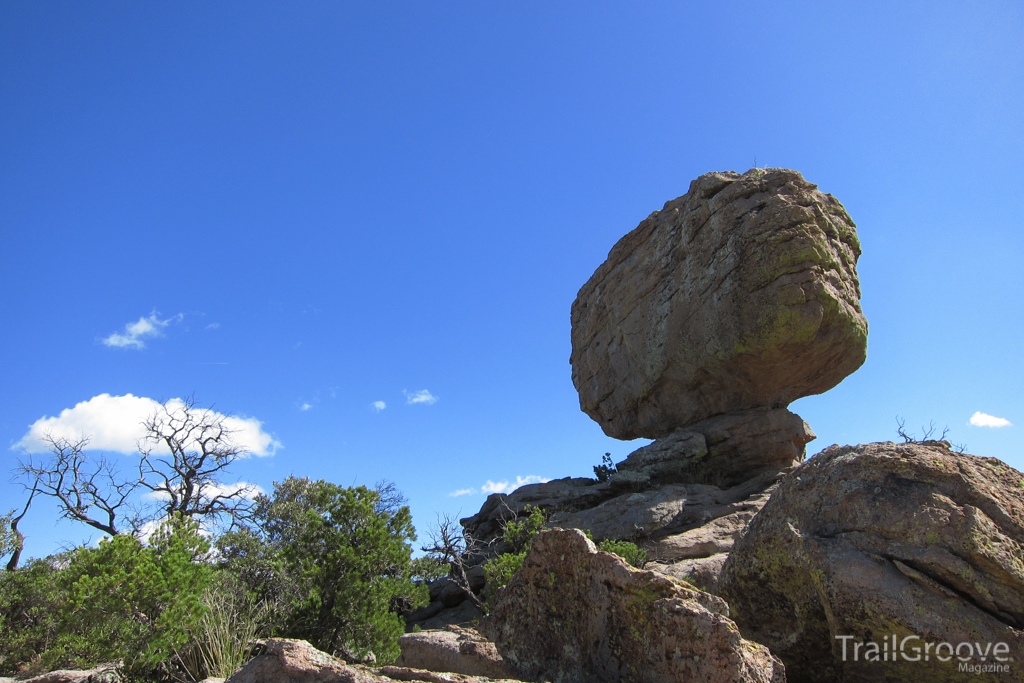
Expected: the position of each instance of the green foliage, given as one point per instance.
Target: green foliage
(8, 541)
(606, 469)
(220, 641)
(119, 600)
(519, 532)
(343, 558)
(428, 568)
(499, 571)
(31, 600)
(630, 552)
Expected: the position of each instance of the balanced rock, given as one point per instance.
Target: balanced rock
(740, 294)
(863, 545)
(576, 615)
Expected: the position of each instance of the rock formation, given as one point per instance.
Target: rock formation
(881, 541)
(740, 294)
(456, 650)
(576, 615)
(702, 325)
(296, 661)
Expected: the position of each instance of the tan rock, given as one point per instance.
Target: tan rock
(574, 614)
(700, 572)
(103, 673)
(879, 541)
(296, 661)
(455, 649)
(740, 294)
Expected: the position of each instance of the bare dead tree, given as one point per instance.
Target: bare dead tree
(183, 457)
(185, 453)
(16, 542)
(452, 544)
(87, 490)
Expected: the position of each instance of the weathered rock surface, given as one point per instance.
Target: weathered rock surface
(574, 614)
(104, 673)
(724, 450)
(884, 540)
(296, 661)
(458, 650)
(740, 294)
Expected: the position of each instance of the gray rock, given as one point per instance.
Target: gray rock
(884, 540)
(724, 450)
(740, 294)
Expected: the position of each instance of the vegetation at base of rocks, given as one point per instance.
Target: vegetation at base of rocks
(500, 571)
(120, 600)
(313, 560)
(927, 434)
(606, 469)
(341, 557)
(519, 531)
(630, 552)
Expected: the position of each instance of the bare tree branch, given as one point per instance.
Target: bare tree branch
(87, 490)
(452, 544)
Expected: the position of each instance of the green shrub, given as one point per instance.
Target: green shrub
(499, 571)
(606, 469)
(31, 601)
(343, 558)
(520, 531)
(630, 552)
(220, 642)
(118, 601)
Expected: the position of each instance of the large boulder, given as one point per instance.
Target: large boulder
(740, 294)
(865, 547)
(723, 450)
(577, 615)
(454, 649)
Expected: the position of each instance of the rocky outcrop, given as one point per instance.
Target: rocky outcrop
(724, 450)
(574, 614)
(881, 541)
(104, 673)
(296, 661)
(740, 294)
(458, 650)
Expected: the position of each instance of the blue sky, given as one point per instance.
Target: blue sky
(294, 212)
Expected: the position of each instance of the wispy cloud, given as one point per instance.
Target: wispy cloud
(980, 419)
(462, 492)
(306, 406)
(136, 332)
(213, 326)
(421, 396)
(509, 487)
(114, 423)
(378, 405)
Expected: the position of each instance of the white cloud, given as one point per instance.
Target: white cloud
(421, 396)
(378, 405)
(114, 423)
(306, 406)
(509, 487)
(462, 492)
(213, 326)
(249, 491)
(151, 326)
(980, 419)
